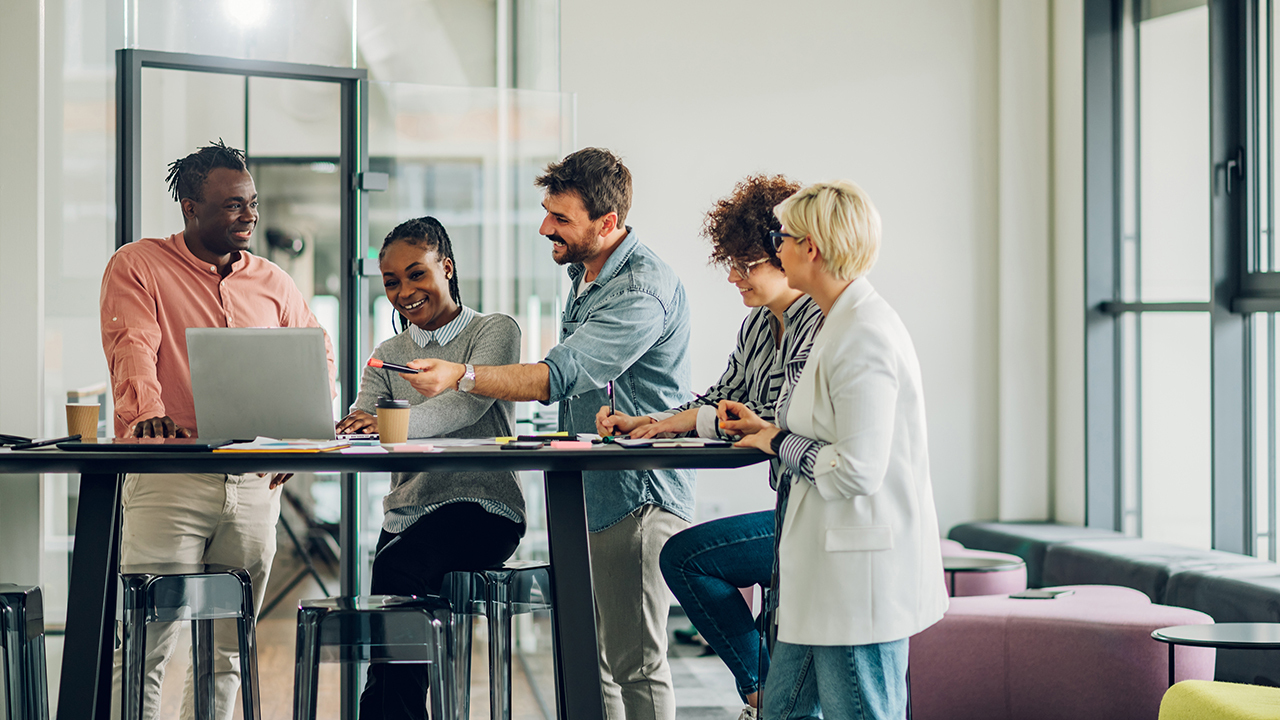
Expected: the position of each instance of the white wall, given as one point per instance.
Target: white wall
(22, 198)
(1068, 261)
(903, 98)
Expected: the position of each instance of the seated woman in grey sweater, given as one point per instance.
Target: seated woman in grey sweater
(435, 523)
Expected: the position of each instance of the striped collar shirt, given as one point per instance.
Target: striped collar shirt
(445, 334)
(757, 366)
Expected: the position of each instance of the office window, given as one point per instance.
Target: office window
(1158, 288)
(1180, 272)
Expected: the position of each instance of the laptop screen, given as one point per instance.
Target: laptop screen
(272, 382)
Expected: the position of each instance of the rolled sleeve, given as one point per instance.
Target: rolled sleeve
(131, 338)
(605, 344)
(801, 454)
(708, 422)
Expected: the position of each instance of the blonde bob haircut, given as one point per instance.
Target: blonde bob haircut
(839, 218)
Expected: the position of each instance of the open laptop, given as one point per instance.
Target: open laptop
(272, 382)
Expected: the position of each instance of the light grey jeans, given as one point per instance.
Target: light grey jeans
(222, 519)
(631, 614)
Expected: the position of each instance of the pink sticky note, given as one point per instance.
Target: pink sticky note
(570, 445)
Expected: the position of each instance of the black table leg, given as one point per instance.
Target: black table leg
(577, 657)
(85, 690)
(1171, 647)
(349, 562)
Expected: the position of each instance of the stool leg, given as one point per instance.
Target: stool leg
(457, 634)
(36, 680)
(202, 668)
(306, 665)
(457, 661)
(133, 651)
(443, 700)
(249, 667)
(498, 608)
(13, 624)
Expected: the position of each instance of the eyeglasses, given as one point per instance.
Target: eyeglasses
(744, 268)
(775, 239)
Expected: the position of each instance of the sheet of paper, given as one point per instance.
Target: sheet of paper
(454, 442)
(266, 444)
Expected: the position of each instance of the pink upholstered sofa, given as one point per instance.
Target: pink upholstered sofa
(1087, 655)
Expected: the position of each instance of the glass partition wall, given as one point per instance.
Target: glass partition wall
(459, 124)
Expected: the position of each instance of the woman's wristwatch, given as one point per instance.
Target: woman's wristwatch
(776, 443)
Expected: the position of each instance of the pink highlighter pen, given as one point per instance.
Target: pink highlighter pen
(376, 363)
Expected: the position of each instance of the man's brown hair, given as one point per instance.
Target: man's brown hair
(597, 176)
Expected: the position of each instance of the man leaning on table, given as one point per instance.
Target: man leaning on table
(152, 291)
(627, 321)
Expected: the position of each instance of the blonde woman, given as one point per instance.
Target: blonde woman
(860, 568)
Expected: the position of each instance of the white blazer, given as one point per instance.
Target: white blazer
(859, 557)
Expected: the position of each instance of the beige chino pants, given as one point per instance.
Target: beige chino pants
(222, 519)
(632, 603)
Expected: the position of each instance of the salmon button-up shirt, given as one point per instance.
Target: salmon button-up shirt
(152, 291)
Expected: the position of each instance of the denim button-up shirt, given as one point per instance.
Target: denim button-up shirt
(629, 326)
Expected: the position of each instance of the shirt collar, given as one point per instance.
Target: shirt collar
(180, 245)
(613, 265)
(797, 308)
(446, 333)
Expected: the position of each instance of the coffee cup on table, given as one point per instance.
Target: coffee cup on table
(393, 421)
(82, 420)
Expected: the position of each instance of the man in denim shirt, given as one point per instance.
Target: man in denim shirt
(627, 321)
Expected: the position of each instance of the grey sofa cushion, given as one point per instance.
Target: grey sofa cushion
(1243, 593)
(1027, 540)
(1143, 565)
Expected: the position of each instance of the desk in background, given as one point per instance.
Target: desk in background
(85, 690)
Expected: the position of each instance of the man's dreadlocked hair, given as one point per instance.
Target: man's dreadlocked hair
(186, 176)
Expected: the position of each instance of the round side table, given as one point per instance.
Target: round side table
(952, 564)
(1235, 636)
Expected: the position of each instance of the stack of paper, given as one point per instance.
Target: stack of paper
(266, 444)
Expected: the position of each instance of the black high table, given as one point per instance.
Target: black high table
(85, 689)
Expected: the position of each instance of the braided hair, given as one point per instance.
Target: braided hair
(187, 175)
(426, 232)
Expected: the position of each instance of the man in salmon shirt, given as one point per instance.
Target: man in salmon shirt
(152, 291)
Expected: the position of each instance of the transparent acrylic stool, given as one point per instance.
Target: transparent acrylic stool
(22, 639)
(519, 586)
(200, 594)
(372, 629)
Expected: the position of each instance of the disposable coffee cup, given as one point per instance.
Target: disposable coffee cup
(393, 421)
(82, 420)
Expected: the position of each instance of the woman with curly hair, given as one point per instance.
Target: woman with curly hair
(706, 564)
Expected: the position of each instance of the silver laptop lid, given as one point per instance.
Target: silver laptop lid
(248, 382)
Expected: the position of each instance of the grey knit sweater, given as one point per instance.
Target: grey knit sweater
(486, 340)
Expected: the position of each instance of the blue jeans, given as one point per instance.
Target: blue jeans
(704, 566)
(849, 682)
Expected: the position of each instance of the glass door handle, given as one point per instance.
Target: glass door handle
(372, 181)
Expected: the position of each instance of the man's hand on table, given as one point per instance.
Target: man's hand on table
(159, 427)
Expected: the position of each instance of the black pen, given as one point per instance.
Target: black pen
(375, 362)
(613, 410)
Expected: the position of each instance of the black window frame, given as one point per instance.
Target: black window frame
(1235, 290)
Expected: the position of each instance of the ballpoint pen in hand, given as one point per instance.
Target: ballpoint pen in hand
(613, 408)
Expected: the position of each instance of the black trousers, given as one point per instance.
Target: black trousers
(458, 536)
